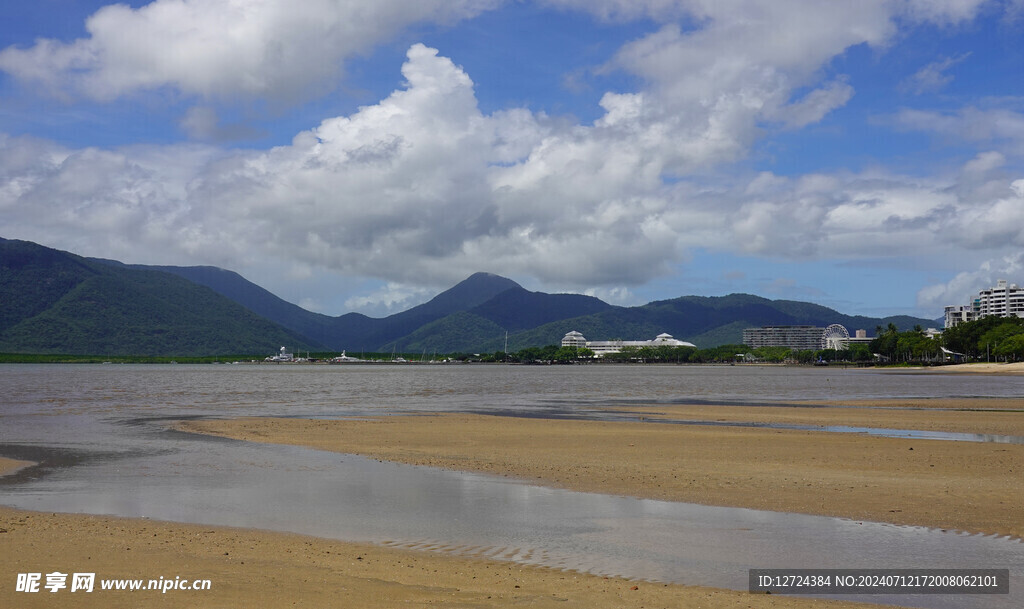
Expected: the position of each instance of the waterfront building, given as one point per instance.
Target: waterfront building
(801, 338)
(574, 339)
(1002, 300)
(602, 347)
(282, 356)
(861, 337)
(958, 314)
(798, 338)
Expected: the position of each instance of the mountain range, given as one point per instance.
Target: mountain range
(57, 302)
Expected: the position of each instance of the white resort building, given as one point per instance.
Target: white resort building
(601, 347)
(1003, 300)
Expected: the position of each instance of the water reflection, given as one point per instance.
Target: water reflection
(101, 433)
(226, 482)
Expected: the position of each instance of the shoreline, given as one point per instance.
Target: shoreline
(12, 466)
(248, 567)
(986, 368)
(982, 416)
(823, 472)
(968, 486)
(993, 368)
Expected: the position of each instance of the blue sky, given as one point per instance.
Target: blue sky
(363, 156)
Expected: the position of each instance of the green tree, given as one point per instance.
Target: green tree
(995, 338)
(805, 356)
(978, 337)
(773, 354)
(1011, 348)
(564, 355)
(859, 352)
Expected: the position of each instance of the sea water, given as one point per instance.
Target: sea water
(102, 436)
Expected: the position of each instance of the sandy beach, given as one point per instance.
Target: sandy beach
(956, 485)
(996, 416)
(978, 368)
(970, 486)
(248, 568)
(9, 466)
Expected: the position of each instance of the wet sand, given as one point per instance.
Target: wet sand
(966, 486)
(978, 368)
(972, 404)
(9, 466)
(969, 486)
(249, 568)
(997, 416)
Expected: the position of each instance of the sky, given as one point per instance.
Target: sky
(364, 156)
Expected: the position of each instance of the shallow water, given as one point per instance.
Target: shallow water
(102, 431)
(881, 432)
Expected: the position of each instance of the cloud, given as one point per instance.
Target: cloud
(997, 224)
(750, 67)
(984, 163)
(851, 216)
(203, 123)
(389, 299)
(628, 10)
(131, 202)
(222, 49)
(965, 286)
(618, 296)
(815, 105)
(784, 287)
(932, 78)
(423, 188)
(942, 12)
(1000, 126)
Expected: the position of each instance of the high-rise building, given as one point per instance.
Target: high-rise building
(1003, 300)
(798, 338)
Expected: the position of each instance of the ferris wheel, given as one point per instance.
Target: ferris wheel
(835, 337)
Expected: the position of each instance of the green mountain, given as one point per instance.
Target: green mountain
(513, 310)
(705, 321)
(52, 301)
(56, 302)
(352, 331)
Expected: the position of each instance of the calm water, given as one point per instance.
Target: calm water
(102, 434)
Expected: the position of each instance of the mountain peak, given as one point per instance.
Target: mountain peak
(475, 290)
(488, 280)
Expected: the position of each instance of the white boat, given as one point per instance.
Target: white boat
(282, 356)
(344, 359)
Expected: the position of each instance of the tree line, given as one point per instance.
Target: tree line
(988, 338)
(665, 354)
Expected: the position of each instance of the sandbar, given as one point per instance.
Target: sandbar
(968, 486)
(995, 416)
(1012, 368)
(249, 568)
(9, 466)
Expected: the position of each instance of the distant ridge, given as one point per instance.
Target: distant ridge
(351, 330)
(107, 304)
(705, 321)
(320, 329)
(57, 302)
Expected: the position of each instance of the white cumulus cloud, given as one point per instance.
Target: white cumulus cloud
(423, 188)
(962, 288)
(222, 49)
